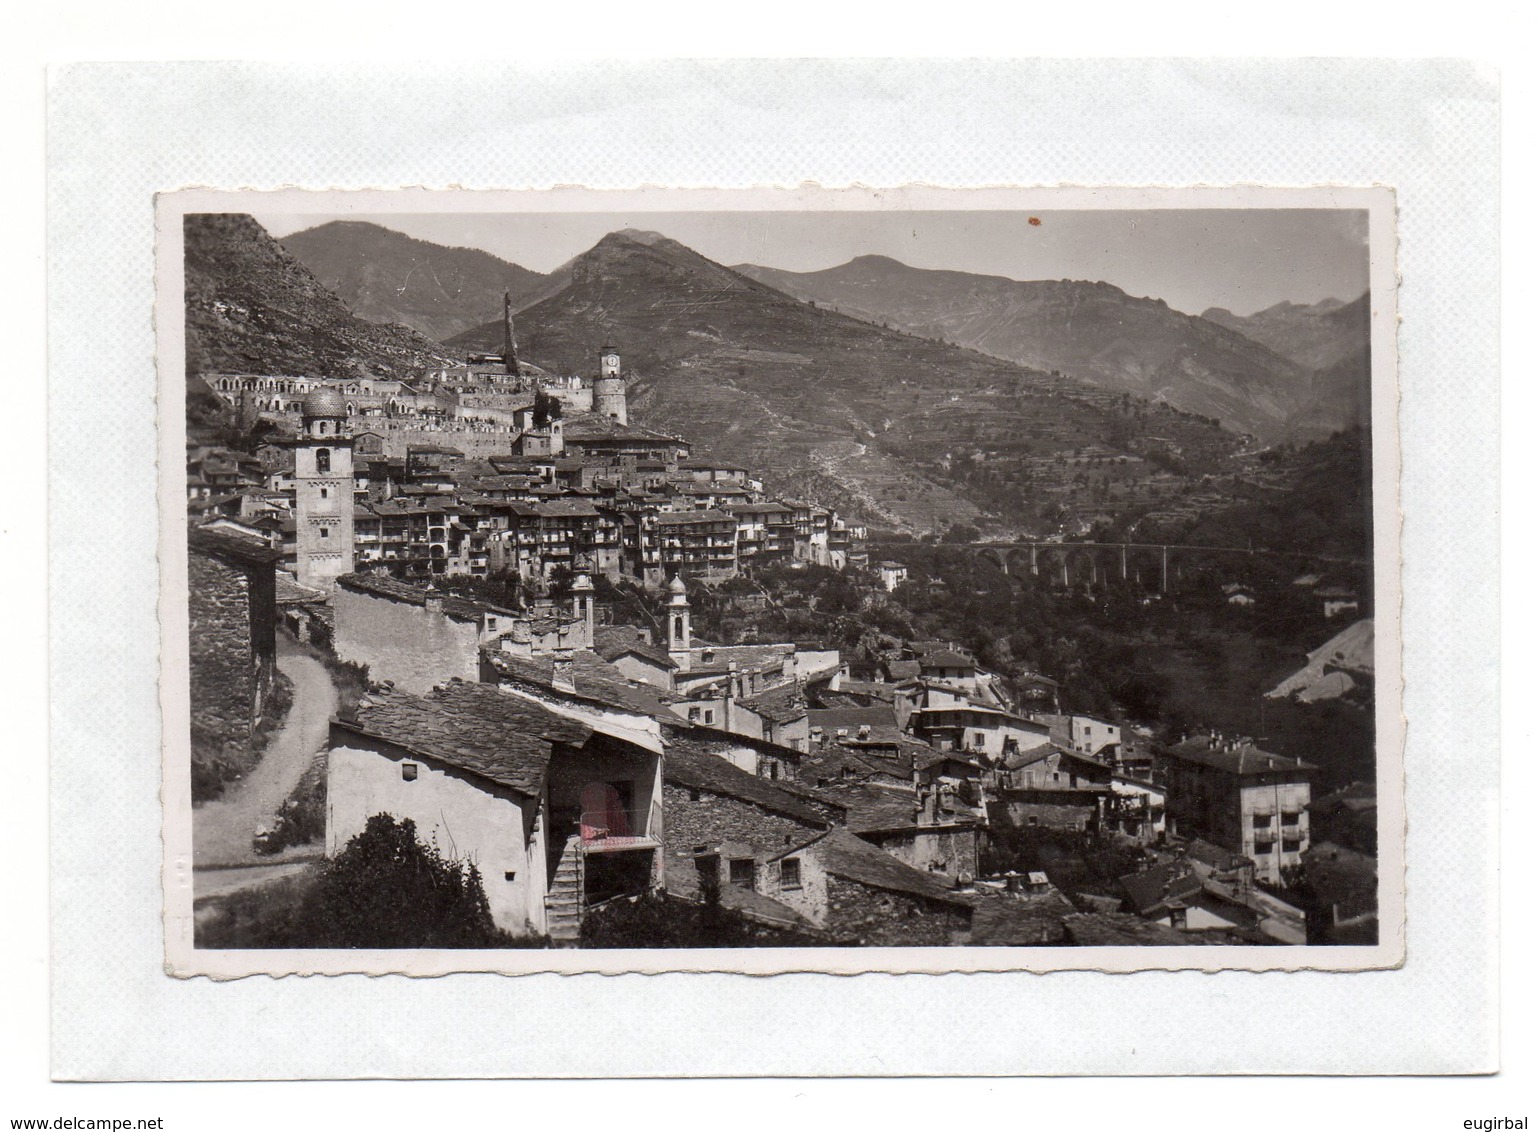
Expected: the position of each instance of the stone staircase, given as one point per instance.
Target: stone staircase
(563, 902)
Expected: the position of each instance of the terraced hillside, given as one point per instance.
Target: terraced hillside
(830, 406)
(1092, 331)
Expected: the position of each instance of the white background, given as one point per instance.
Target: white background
(171, 31)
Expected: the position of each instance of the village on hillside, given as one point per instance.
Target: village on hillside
(468, 620)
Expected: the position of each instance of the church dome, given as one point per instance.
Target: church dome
(676, 585)
(324, 401)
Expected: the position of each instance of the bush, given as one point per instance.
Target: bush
(301, 819)
(387, 889)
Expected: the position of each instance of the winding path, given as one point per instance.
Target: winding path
(222, 830)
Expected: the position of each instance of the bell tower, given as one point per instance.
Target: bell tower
(323, 487)
(679, 637)
(608, 398)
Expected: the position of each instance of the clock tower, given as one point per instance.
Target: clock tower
(608, 399)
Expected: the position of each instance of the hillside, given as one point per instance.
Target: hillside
(1091, 331)
(1315, 337)
(1330, 339)
(386, 276)
(828, 406)
(251, 307)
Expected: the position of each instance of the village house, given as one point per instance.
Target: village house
(1173, 895)
(725, 825)
(862, 895)
(558, 812)
(1242, 798)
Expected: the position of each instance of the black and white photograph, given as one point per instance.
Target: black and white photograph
(815, 581)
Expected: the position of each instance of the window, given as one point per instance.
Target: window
(325, 493)
(510, 874)
(693, 715)
(408, 771)
(790, 872)
(742, 872)
(322, 459)
(490, 624)
(1290, 819)
(1264, 848)
(325, 532)
(1290, 844)
(709, 715)
(1261, 821)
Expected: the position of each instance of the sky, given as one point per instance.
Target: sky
(1193, 259)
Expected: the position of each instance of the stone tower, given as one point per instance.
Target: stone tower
(678, 633)
(509, 339)
(608, 388)
(323, 491)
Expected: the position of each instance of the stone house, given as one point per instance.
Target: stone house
(232, 641)
(560, 811)
(860, 894)
(729, 825)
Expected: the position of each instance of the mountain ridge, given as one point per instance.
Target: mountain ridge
(387, 276)
(252, 307)
(1091, 330)
(868, 418)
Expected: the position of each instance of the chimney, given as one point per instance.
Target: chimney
(563, 671)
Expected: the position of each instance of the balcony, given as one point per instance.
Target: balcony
(614, 829)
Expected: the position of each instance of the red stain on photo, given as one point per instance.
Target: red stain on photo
(1035, 222)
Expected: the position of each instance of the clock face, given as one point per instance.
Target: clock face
(611, 360)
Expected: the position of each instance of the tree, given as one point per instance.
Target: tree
(387, 889)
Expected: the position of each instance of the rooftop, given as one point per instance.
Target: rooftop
(613, 641)
(1241, 758)
(844, 855)
(475, 727)
(382, 585)
(692, 764)
(593, 677)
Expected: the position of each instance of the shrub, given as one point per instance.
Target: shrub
(387, 889)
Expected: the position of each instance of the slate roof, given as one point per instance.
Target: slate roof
(831, 719)
(1013, 921)
(1123, 929)
(694, 766)
(290, 592)
(594, 678)
(844, 855)
(244, 550)
(613, 641)
(783, 704)
(475, 727)
(1154, 890)
(382, 585)
(1242, 760)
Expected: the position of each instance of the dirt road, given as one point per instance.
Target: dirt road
(222, 830)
